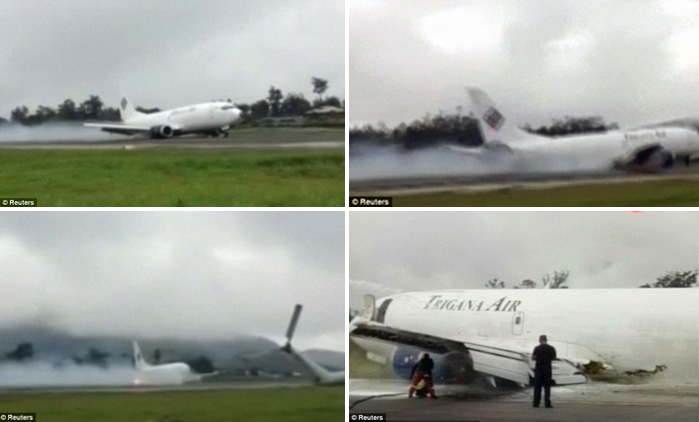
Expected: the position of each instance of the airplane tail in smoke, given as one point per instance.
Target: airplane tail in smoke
(138, 361)
(493, 124)
(126, 109)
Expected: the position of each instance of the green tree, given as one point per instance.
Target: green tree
(274, 98)
(495, 284)
(22, 351)
(20, 115)
(675, 279)
(319, 86)
(558, 281)
(330, 101)
(259, 110)
(295, 105)
(526, 284)
(67, 110)
(91, 108)
(44, 114)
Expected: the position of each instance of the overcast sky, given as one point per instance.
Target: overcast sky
(405, 251)
(633, 62)
(167, 53)
(176, 274)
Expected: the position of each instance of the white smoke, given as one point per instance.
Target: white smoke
(374, 162)
(45, 374)
(49, 132)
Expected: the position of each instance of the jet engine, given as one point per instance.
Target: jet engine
(449, 368)
(163, 131)
(651, 159)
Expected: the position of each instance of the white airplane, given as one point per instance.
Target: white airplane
(214, 119)
(322, 376)
(644, 149)
(168, 373)
(489, 335)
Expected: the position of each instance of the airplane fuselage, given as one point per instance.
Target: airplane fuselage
(630, 329)
(618, 145)
(190, 119)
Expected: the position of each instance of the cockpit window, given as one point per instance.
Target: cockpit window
(228, 107)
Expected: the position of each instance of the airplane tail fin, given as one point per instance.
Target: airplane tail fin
(126, 109)
(493, 124)
(320, 374)
(138, 361)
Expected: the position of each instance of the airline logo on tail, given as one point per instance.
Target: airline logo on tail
(493, 118)
(123, 103)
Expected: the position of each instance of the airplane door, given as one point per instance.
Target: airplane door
(518, 323)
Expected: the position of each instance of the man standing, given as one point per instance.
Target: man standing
(422, 373)
(543, 355)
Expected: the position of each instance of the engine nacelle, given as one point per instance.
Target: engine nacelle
(453, 367)
(652, 159)
(163, 131)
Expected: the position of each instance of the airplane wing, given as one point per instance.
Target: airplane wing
(475, 151)
(503, 362)
(119, 128)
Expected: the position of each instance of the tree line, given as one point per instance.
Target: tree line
(455, 128)
(559, 279)
(275, 104)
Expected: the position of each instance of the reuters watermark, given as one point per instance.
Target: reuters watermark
(9, 416)
(18, 202)
(371, 201)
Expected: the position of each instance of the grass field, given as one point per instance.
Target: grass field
(305, 404)
(665, 193)
(174, 177)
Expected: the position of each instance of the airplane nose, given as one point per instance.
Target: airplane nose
(236, 114)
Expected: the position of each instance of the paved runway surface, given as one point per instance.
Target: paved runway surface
(230, 143)
(583, 403)
(490, 411)
(205, 386)
(471, 183)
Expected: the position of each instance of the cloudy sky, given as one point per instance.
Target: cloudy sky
(176, 274)
(631, 61)
(403, 251)
(167, 53)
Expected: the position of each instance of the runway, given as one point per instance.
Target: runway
(177, 143)
(589, 403)
(485, 183)
(202, 386)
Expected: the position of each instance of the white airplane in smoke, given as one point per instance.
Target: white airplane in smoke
(489, 335)
(322, 376)
(644, 149)
(214, 119)
(167, 373)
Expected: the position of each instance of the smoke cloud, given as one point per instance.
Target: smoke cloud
(49, 132)
(373, 162)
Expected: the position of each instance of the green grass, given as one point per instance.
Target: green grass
(174, 177)
(666, 193)
(304, 404)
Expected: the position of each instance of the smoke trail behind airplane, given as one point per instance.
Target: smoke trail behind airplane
(48, 132)
(64, 374)
(373, 162)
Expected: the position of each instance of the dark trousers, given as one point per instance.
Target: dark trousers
(542, 378)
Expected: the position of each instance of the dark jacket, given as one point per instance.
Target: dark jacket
(544, 354)
(425, 365)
